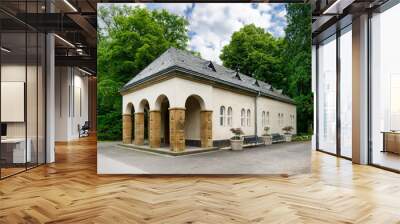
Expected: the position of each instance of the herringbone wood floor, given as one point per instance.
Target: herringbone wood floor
(70, 191)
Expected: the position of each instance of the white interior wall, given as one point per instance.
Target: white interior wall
(71, 94)
(16, 73)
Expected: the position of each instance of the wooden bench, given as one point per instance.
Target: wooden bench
(251, 140)
(277, 138)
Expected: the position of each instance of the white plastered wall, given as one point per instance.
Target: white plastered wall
(238, 101)
(177, 90)
(274, 107)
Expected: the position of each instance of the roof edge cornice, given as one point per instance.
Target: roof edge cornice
(168, 70)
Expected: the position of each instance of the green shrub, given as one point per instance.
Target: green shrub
(302, 138)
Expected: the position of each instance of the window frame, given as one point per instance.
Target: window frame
(222, 114)
(230, 114)
(248, 118)
(242, 117)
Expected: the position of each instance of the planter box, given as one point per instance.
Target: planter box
(267, 139)
(236, 144)
(288, 137)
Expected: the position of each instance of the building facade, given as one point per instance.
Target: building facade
(356, 80)
(183, 100)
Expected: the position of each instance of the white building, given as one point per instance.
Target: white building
(191, 101)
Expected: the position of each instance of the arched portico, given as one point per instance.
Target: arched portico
(159, 122)
(190, 125)
(141, 122)
(127, 121)
(174, 123)
(198, 123)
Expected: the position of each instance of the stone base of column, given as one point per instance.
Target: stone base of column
(127, 129)
(177, 129)
(155, 129)
(139, 128)
(206, 129)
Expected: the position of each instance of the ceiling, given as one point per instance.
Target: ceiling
(73, 21)
(329, 15)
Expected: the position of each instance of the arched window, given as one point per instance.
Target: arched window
(230, 116)
(242, 117)
(279, 119)
(222, 116)
(248, 117)
(292, 121)
(263, 122)
(267, 118)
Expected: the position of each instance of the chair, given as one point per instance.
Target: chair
(84, 130)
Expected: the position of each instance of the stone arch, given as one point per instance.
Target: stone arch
(143, 104)
(159, 100)
(163, 104)
(198, 123)
(199, 100)
(128, 121)
(129, 108)
(142, 122)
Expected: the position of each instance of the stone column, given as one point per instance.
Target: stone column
(127, 129)
(139, 128)
(206, 128)
(155, 129)
(177, 129)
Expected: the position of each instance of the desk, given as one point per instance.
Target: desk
(391, 142)
(13, 150)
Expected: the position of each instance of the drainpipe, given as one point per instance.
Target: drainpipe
(255, 115)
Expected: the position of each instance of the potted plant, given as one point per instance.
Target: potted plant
(237, 139)
(266, 137)
(287, 132)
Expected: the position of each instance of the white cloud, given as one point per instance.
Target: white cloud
(214, 23)
(176, 8)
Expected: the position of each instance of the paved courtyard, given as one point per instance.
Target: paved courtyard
(285, 158)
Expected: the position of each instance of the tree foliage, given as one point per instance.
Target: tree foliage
(285, 63)
(129, 39)
(297, 56)
(256, 53)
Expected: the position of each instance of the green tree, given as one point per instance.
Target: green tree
(256, 53)
(285, 63)
(297, 57)
(129, 39)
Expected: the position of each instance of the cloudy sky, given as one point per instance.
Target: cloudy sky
(211, 25)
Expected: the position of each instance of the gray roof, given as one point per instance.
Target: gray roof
(179, 60)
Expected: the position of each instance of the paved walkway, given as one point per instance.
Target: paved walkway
(284, 158)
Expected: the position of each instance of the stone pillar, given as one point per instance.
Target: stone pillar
(139, 128)
(127, 129)
(155, 129)
(206, 128)
(177, 129)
